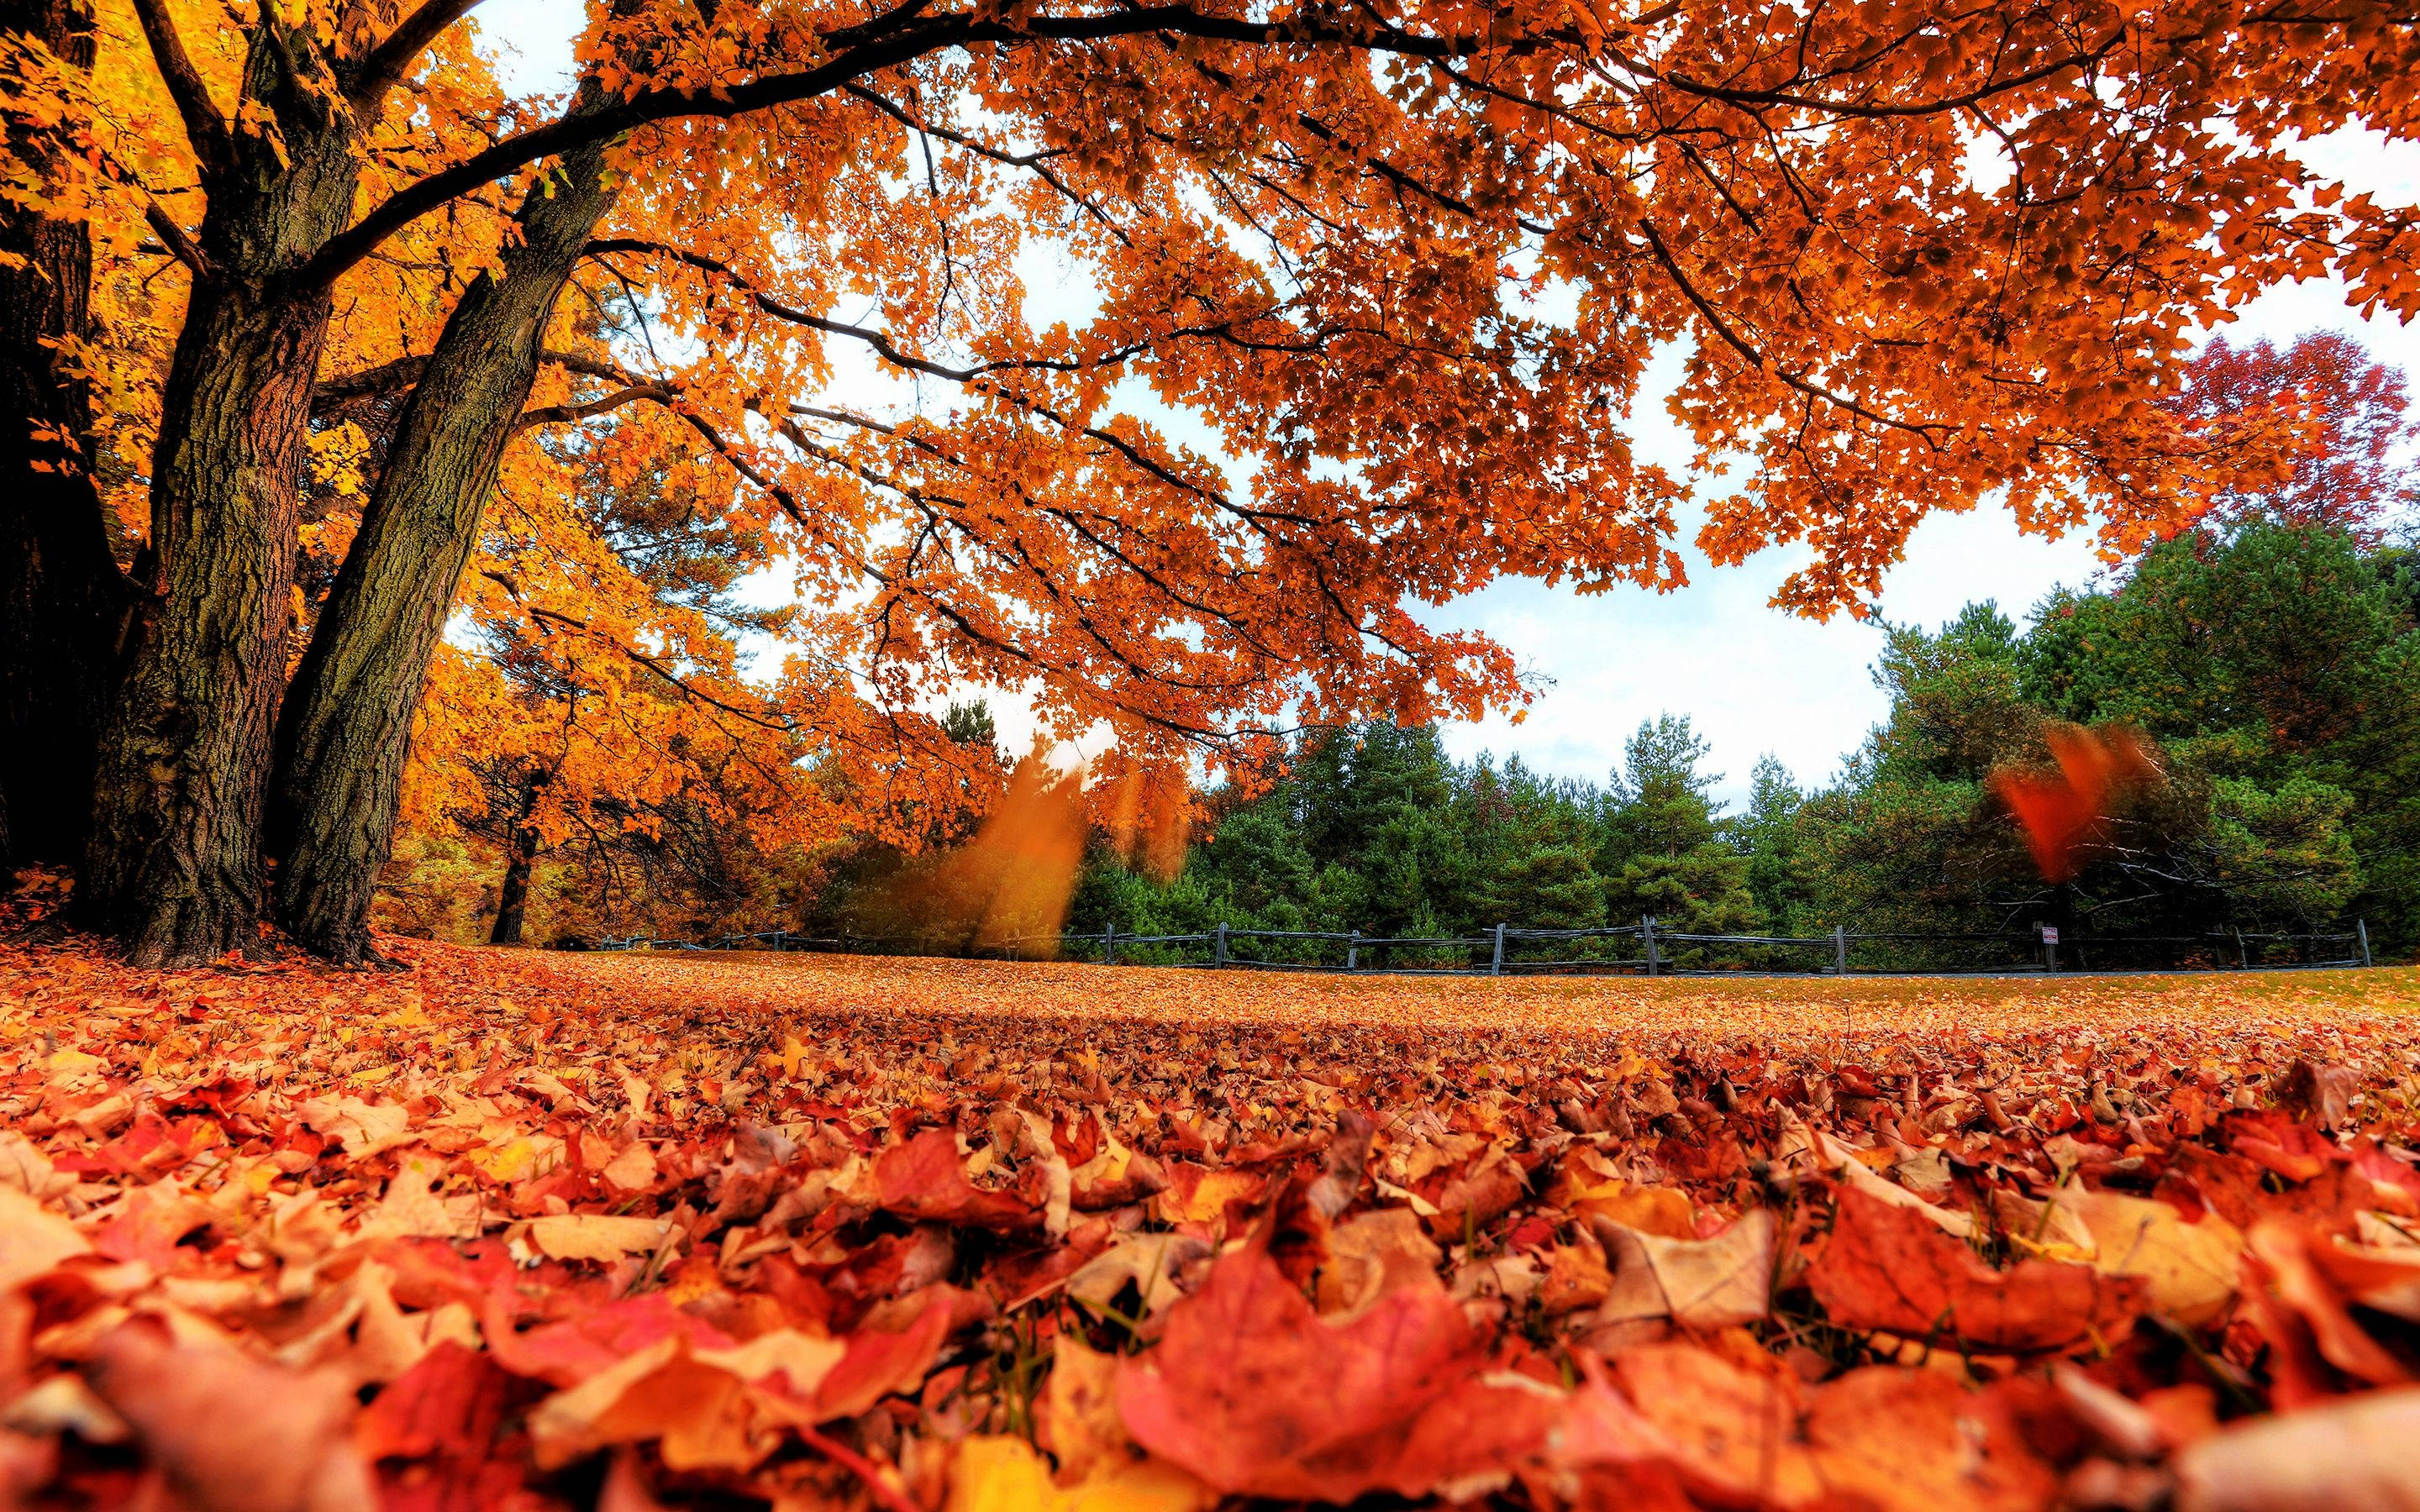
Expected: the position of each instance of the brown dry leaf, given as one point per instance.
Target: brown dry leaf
(1372, 1254)
(1701, 1283)
(1476, 1196)
(364, 1129)
(2348, 1454)
(1150, 1262)
(32, 1239)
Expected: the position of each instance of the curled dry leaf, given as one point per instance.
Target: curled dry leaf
(2187, 1270)
(1151, 1263)
(1702, 1284)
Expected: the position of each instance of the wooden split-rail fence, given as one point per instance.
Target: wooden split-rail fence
(1645, 949)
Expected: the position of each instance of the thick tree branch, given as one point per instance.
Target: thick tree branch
(557, 414)
(172, 236)
(208, 129)
(886, 49)
(390, 61)
(403, 372)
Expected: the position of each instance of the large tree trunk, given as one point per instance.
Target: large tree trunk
(63, 600)
(512, 899)
(174, 866)
(346, 730)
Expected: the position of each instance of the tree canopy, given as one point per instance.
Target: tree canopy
(359, 322)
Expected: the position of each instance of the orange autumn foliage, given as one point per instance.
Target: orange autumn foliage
(1403, 272)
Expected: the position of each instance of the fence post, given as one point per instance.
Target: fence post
(2360, 928)
(1646, 928)
(1496, 968)
(2242, 951)
(2050, 950)
(1840, 949)
(1353, 951)
(1219, 956)
(1109, 947)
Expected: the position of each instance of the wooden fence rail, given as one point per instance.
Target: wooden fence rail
(1500, 950)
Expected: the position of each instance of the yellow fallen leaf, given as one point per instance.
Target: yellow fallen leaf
(1207, 1203)
(2189, 1270)
(591, 1236)
(1000, 1473)
(364, 1129)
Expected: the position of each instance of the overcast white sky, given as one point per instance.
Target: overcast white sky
(1753, 679)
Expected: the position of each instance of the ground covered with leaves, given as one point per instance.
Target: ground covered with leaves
(506, 1230)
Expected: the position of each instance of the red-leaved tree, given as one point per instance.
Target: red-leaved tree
(2350, 468)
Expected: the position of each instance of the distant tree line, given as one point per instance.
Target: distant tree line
(2274, 666)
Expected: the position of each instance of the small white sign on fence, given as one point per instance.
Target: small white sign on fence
(2050, 933)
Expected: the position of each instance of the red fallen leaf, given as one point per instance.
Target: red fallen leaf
(567, 1352)
(1734, 1433)
(1889, 1268)
(231, 1433)
(1255, 1393)
(2394, 1185)
(430, 1272)
(2294, 1150)
(2280, 1264)
(147, 1225)
(1106, 1185)
(1476, 1195)
(878, 1363)
(1078, 1139)
(1915, 1440)
(450, 1403)
(927, 1180)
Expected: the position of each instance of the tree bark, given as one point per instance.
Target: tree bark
(174, 863)
(512, 899)
(345, 728)
(63, 600)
